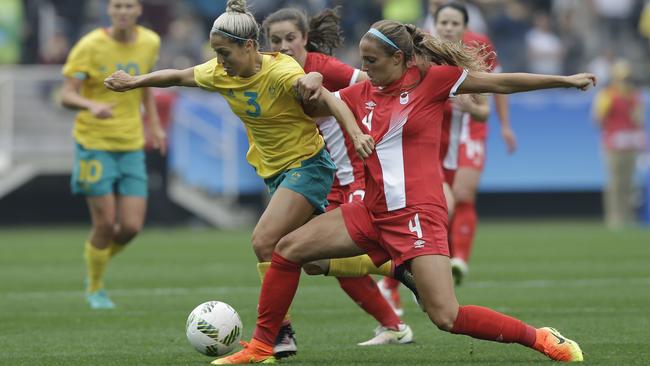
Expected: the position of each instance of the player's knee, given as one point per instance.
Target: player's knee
(104, 226)
(443, 318)
(263, 246)
(463, 194)
(130, 229)
(289, 247)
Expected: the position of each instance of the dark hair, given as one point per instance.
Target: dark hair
(236, 24)
(413, 41)
(322, 31)
(456, 6)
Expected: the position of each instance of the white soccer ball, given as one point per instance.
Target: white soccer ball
(214, 328)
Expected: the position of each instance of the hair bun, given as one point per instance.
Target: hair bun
(236, 6)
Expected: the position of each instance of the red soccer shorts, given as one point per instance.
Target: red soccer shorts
(398, 235)
(471, 154)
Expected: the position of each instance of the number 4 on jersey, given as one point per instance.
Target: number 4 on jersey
(414, 226)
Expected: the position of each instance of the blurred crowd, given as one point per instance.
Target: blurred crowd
(543, 36)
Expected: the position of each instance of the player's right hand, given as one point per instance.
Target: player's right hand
(119, 81)
(364, 145)
(101, 111)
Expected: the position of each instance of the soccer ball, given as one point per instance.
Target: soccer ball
(213, 328)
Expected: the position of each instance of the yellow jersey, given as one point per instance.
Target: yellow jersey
(96, 56)
(279, 132)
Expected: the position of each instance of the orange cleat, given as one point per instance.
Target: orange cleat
(253, 352)
(557, 347)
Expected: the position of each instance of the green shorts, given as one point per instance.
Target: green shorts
(98, 172)
(313, 179)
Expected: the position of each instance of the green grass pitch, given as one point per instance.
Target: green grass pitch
(591, 284)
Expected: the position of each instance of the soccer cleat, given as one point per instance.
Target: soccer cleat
(384, 335)
(557, 347)
(285, 342)
(253, 352)
(459, 270)
(391, 294)
(99, 300)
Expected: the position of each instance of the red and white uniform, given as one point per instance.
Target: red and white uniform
(349, 180)
(453, 121)
(404, 214)
(474, 133)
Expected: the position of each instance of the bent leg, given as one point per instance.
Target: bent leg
(286, 211)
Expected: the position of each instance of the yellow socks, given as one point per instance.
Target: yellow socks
(96, 262)
(262, 268)
(116, 248)
(358, 266)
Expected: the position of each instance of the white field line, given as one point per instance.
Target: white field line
(217, 290)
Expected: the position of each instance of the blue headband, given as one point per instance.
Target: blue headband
(381, 36)
(228, 34)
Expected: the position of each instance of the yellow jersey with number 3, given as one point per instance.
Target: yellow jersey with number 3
(280, 134)
(96, 56)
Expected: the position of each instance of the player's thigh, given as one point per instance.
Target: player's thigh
(323, 237)
(102, 211)
(436, 289)
(286, 211)
(466, 184)
(131, 212)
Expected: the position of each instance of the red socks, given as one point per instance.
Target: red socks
(278, 289)
(463, 226)
(364, 291)
(483, 323)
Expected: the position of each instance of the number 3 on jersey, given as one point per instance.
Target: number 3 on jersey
(252, 101)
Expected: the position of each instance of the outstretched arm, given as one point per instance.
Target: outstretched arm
(71, 98)
(120, 81)
(484, 82)
(503, 111)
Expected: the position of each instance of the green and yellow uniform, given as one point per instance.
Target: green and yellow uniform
(286, 148)
(109, 151)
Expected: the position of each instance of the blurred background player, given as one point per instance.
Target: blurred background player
(618, 110)
(109, 166)
(286, 148)
(311, 42)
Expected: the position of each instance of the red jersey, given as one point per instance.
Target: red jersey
(405, 122)
(336, 76)
(620, 131)
(478, 130)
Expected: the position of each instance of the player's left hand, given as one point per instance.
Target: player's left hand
(309, 86)
(364, 145)
(509, 138)
(119, 81)
(582, 81)
(159, 140)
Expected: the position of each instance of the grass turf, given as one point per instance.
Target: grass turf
(591, 284)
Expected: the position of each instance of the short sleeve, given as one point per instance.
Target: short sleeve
(350, 95)
(78, 64)
(492, 59)
(443, 81)
(337, 75)
(204, 75)
(288, 74)
(156, 53)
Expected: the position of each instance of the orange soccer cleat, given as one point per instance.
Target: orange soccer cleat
(253, 352)
(557, 347)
